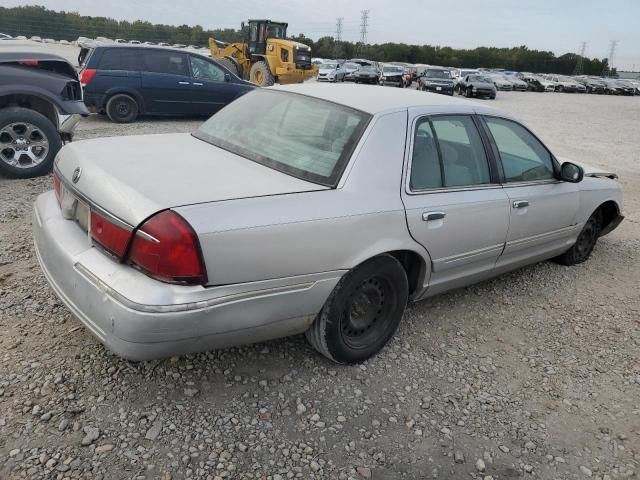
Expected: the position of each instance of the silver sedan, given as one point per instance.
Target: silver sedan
(307, 208)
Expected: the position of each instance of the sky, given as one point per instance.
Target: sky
(556, 25)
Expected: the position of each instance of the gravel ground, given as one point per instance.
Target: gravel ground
(534, 374)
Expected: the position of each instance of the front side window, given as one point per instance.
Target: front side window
(166, 62)
(523, 157)
(448, 152)
(204, 70)
(301, 136)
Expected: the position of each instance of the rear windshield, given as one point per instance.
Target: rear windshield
(301, 136)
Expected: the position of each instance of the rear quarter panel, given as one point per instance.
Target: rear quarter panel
(287, 235)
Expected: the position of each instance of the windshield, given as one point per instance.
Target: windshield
(301, 136)
(368, 68)
(392, 69)
(478, 78)
(351, 66)
(329, 65)
(437, 74)
(275, 30)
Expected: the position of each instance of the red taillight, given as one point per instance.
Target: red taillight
(167, 248)
(87, 75)
(111, 236)
(29, 63)
(57, 186)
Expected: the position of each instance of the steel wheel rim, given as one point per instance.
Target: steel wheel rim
(365, 316)
(23, 145)
(123, 108)
(586, 239)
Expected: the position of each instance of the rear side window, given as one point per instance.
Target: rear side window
(121, 59)
(165, 62)
(448, 152)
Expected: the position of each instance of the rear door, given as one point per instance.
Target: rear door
(116, 68)
(212, 87)
(543, 209)
(454, 203)
(166, 82)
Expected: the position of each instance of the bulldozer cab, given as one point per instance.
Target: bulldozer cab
(260, 31)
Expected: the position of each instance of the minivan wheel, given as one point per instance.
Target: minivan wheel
(122, 108)
(581, 250)
(363, 311)
(29, 143)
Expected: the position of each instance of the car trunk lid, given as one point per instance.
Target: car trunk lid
(135, 177)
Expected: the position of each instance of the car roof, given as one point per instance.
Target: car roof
(382, 100)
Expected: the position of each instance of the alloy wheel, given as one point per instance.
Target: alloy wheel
(23, 145)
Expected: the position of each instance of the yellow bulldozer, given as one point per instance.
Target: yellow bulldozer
(265, 56)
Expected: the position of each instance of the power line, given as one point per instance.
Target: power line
(579, 70)
(364, 25)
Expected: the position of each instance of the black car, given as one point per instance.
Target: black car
(367, 74)
(436, 80)
(592, 85)
(40, 106)
(126, 81)
(477, 85)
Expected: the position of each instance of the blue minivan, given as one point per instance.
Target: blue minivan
(125, 81)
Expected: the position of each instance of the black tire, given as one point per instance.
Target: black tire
(363, 311)
(492, 97)
(468, 93)
(581, 250)
(122, 108)
(230, 65)
(261, 75)
(12, 120)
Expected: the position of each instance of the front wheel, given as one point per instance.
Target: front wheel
(363, 311)
(581, 250)
(261, 75)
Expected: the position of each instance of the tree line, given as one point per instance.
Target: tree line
(37, 20)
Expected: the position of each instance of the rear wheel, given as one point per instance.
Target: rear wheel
(122, 108)
(363, 311)
(29, 143)
(585, 243)
(261, 75)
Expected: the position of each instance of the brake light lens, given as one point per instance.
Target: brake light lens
(57, 186)
(114, 238)
(166, 248)
(87, 75)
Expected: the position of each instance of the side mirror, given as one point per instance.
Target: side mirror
(570, 172)
(227, 77)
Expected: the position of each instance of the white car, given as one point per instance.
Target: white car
(4, 36)
(331, 72)
(326, 214)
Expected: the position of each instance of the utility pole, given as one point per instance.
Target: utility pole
(337, 47)
(612, 52)
(579, 70)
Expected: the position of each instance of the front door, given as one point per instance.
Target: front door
(454, 204)
(211, 90)
(166, 83)
(543, 208)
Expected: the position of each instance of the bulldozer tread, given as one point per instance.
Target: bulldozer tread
(261, 75)
(230, 65)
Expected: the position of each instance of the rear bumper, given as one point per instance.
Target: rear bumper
(139, 318)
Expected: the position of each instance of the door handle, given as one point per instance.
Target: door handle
(183, 83)
(431, 216)
(521, 204)
(198, 84)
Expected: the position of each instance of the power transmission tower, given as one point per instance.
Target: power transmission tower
(579, 70)
(364, 25)
(337, 48)
(612, 52)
